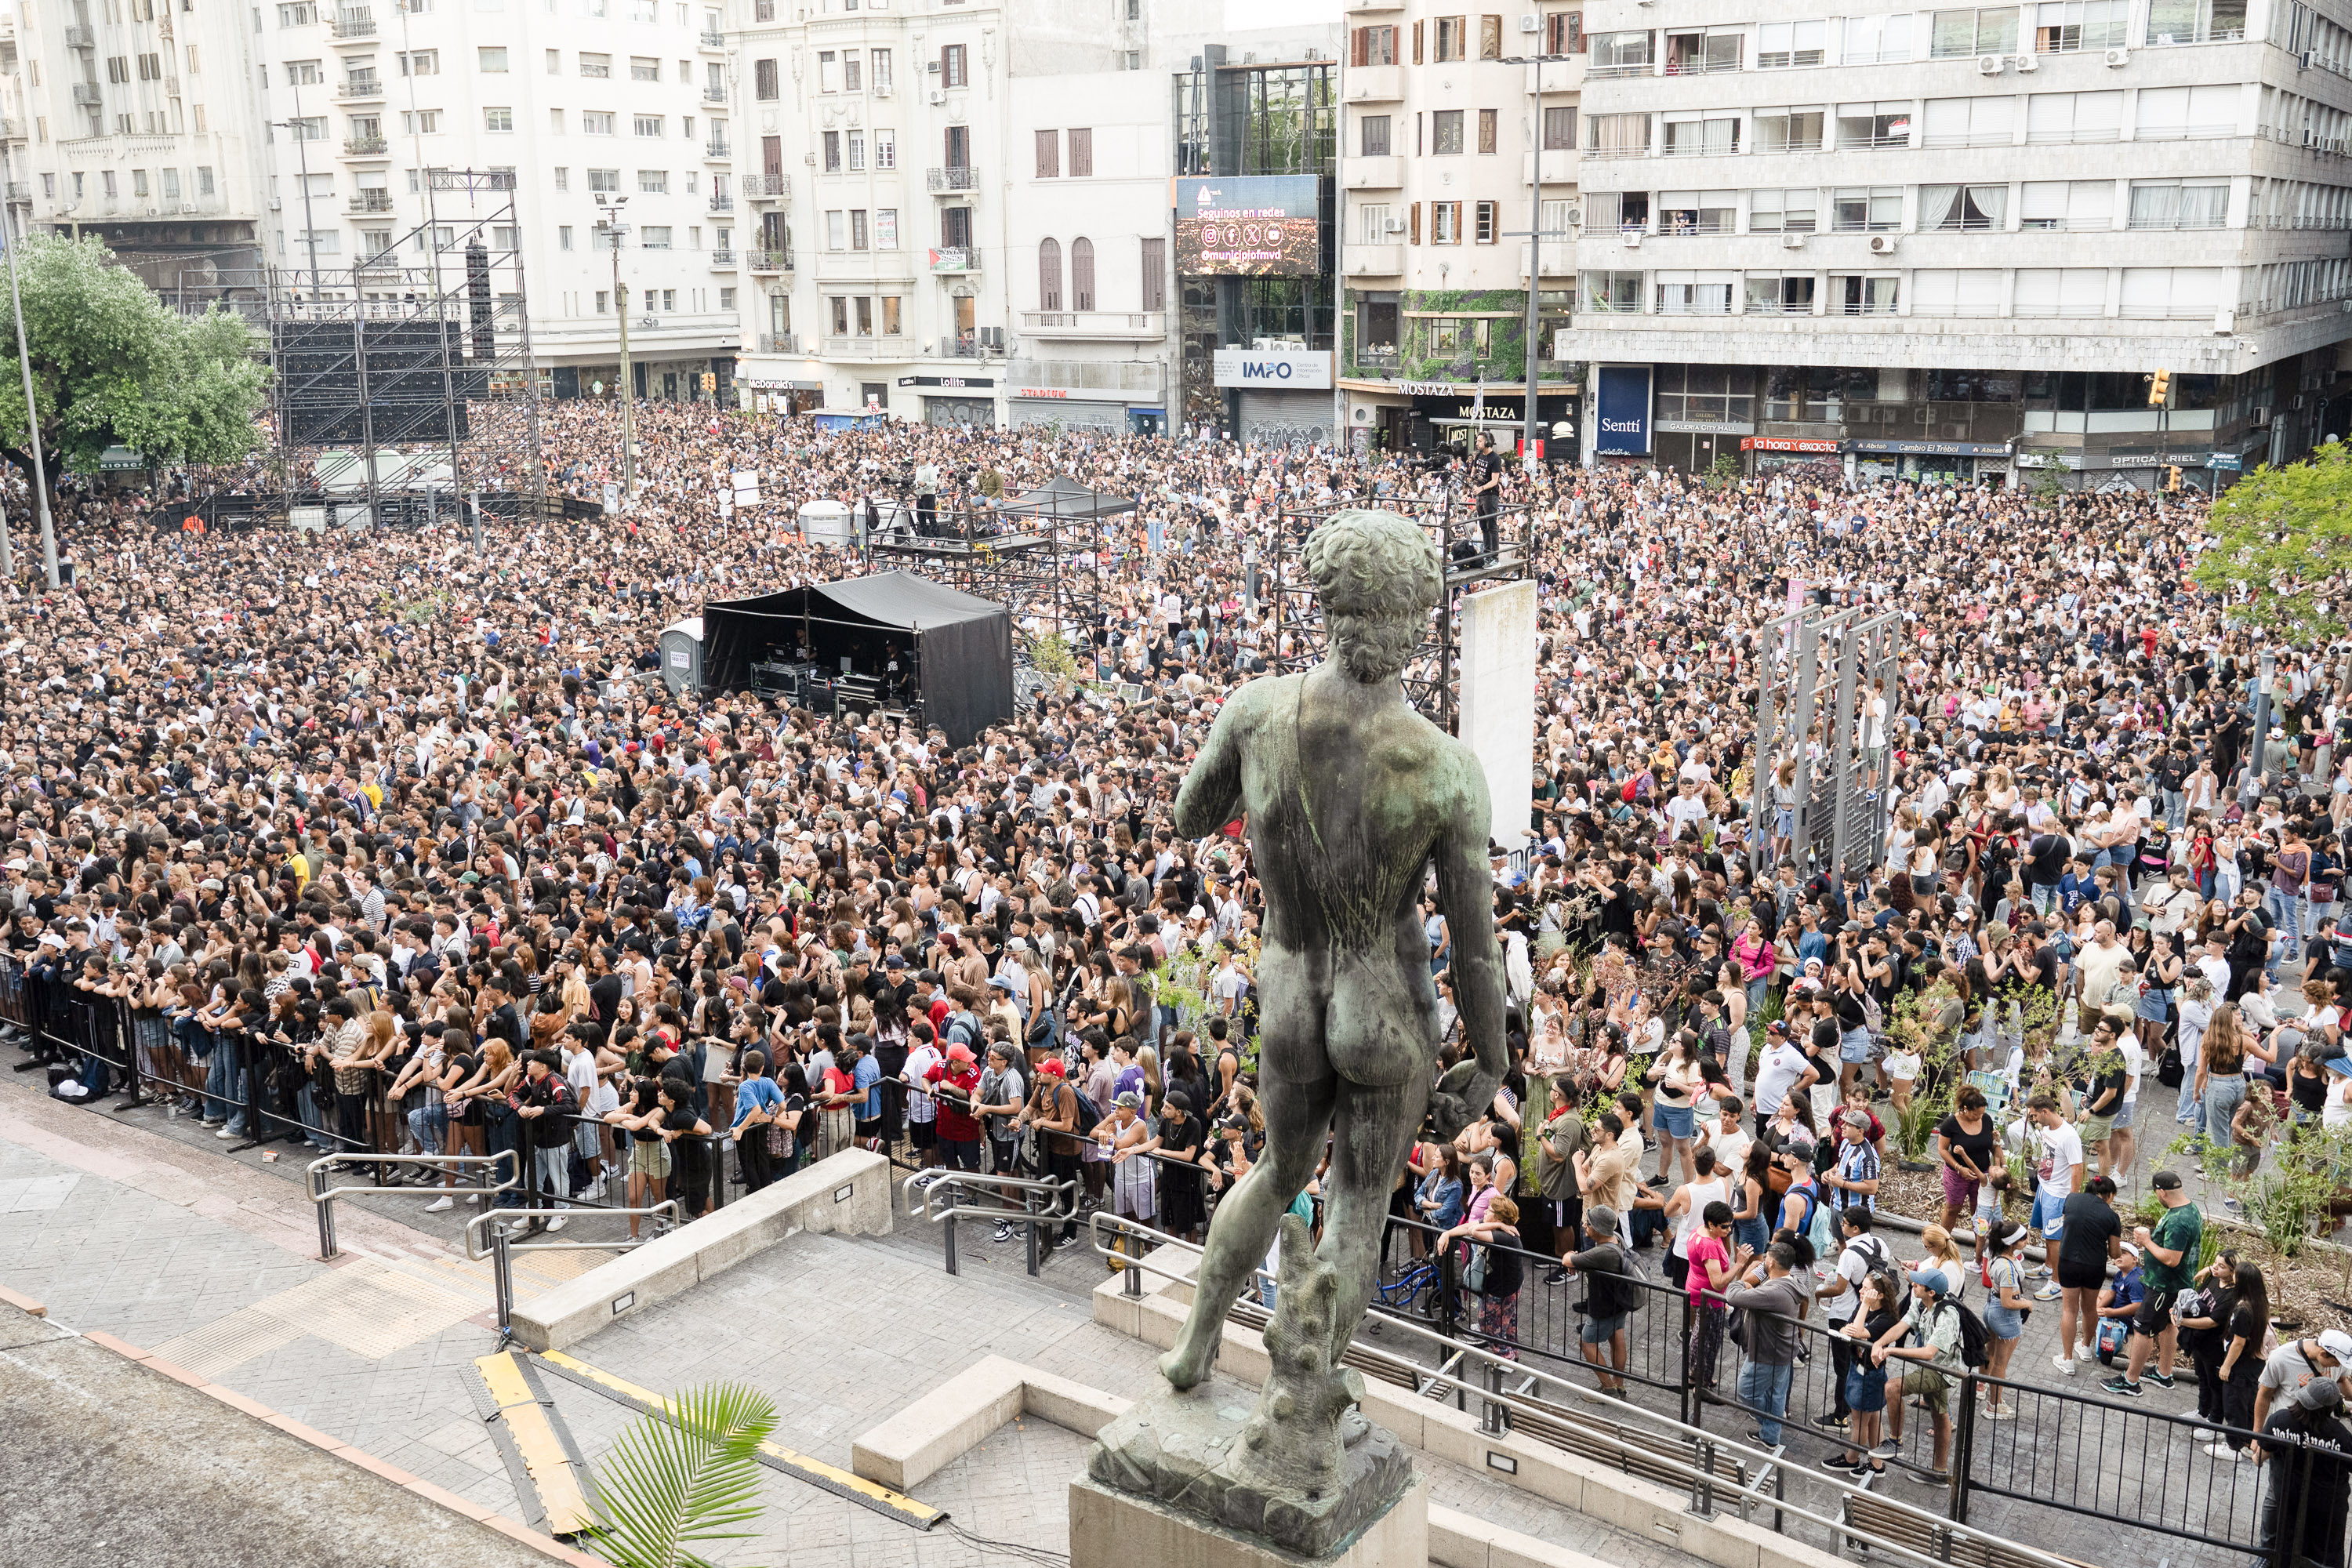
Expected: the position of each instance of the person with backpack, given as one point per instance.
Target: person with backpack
(1612, 1293)
(1773, 1302)
(1880, 1303)
(1860, 1255)
(1936, 1333)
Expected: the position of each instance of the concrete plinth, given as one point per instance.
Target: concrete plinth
(1120, 1530)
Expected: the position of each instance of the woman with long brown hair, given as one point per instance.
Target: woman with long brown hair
(2221, 1085)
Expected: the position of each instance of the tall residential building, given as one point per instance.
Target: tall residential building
(1446, 113)
(321, 127)
(962, 214)
(1956, 244)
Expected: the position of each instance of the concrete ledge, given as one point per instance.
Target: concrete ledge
(849, 1193)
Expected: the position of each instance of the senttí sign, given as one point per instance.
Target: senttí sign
(1274, 371)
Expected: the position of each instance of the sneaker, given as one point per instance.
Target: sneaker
(1756, 1435)
(1930, 1478)
(2063, 1363)
(1834, 1422)
(1004, 1231)
(1999, 1413)
(2122, 1387)
(556, 1224)
(441, 1205)
(2162, 1379)
(2040, 1273)
(2202, 1434)
(225, 1132)
(1843, 1465)
(1556, 1277)
(2223, 1452)
(1888, 1448)
(2049, 1293)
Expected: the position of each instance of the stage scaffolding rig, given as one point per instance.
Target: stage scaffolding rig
(1022, 560)
(404, 385)
(1432, 683)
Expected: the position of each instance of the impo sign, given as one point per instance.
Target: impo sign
(1280, 372)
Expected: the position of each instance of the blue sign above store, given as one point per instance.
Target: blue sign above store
(1624, 430)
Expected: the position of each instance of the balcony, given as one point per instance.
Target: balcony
(1375, 84)
(12, 130)
(1373, 260)
(80, 36)
(365, 147)
(722, 260)
(954, 181)
(720, 202)
(1558, 166)
(354, 24)
(361, 86)
(1374, 174)
(18, 191)
(779, 343)
(371, 202)
(86, 95)
(1121, 326)
(766, 187)
(1371, 5)
(714, 95)
(768, 260)
(712, 38)
(718, 152)
(950, 258)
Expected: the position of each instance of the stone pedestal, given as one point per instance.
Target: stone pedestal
(1120, 1529)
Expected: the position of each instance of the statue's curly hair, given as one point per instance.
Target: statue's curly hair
(1378, 574)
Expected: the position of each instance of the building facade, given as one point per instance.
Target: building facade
(1956, 245)
(317, 129)
(1446, 115)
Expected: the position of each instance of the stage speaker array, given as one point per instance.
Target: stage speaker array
(416, 376)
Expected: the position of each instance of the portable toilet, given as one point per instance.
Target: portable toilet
(681, 655)
(828, 522)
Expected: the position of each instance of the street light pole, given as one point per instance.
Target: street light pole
(302, 157)
(614, 230)
(1536, 233)
(32, 418)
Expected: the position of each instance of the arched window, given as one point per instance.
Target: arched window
(1082, 274)
(1049, 274)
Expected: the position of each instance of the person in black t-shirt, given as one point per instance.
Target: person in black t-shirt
(2091, 1237)
(1486, 484)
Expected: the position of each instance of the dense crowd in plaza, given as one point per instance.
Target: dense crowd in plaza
(398, 845)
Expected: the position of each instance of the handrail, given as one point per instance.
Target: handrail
(323, 1199)
(1029, 1217)
(503, 1249)
(1704, 1483)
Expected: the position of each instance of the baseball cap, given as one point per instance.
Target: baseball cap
(1000, 983)
(2336, 1342)
(1933, 1278)
(2165, 1181)
(960, 1052)
(895, 961)
(2320, 1394)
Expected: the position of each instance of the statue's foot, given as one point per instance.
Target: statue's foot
(1189, 1363)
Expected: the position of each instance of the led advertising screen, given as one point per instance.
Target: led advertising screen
(1253, 225)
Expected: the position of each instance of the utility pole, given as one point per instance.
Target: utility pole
(614, 230)
(302, 155)
(32, 419)
(1536, 234)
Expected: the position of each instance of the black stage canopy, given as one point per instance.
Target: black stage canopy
(962, 646)
(1062, 496)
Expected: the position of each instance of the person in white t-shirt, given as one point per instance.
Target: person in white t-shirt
(2058, 1167)
(922, 1110)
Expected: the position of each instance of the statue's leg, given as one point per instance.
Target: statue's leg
(1296, 1111)
(1372, 1129)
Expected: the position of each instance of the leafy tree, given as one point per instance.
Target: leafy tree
(2282, 542)
(113, 365)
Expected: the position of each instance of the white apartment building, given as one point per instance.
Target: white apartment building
(320, 126)
(1444, 110)
(1954, 244)
(961, 213)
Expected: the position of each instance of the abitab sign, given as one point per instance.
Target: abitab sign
(1623, 427)
(1274, 371)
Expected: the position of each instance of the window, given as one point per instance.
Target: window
(2156, 292)
(1564, 33)
(1082, 153)
(642, 69)
(1884, 124)
(171, 184)
(763, 80)
(1445, 223)
(1969, 122)
(419, 62)
(1617, 135)
(1697, 212)
(1695, 293)
(1490, 37)
(597, 67)
(596, 122)
(413, 123)
(493, 61)
(1963, 208)
(1781, 45)
(1049, 154)
(1955, 34)
(836, 230)
(2179, 204)
(555, 122)
(1866, 209)
(1446, 131)
(1694, 136)
(151, 68)
(1963, 291)
(2060, 26)
(1376, 326)
(832, 152)
(555, 62)
(1863, 296)
(886, 148)
(1372, 135)
(1487, 129)
(1784, 130)
(2187, 113)
(604, 180)
(886, 228)
(851, 62)
(952, 73)
(856, 150)
(1878, 40)
(1082, 274)
(2060, 291)
(301, 14)
(881, 73)
(137, 182)
(1788, 296)
(2196, 21)
(1620, 54)
(653, 182)
(649, 125)
(1702, 54)
(656, 237)
(1372, 46)
(563, 236)
(1372, 223)
(604, 302)
(840, 316)
(1155, 274)
(1488, 218)
(864, 308)
(2052, 117)
(1610, 293)
(203, 180)
(1049, 275)
(1783, 212)
(727, 299)
(828, 71)
(859, 239)
(497, 120)
(299, 73)
(1453, 38)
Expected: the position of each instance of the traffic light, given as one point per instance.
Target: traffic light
(2160, 389)
(709, 381)
(2172, 478)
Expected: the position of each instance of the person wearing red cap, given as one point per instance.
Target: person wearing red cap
(957, 1078)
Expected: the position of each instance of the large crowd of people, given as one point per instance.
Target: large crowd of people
(397, 843)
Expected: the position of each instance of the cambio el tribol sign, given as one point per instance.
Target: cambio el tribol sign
(1262, 226)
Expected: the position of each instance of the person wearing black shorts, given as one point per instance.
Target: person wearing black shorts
(1486, 484)
(2091, 1236)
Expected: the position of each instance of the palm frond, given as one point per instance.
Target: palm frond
(672, 1483)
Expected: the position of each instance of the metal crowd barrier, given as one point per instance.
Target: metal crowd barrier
(503, 1246)
(323, 1198)
(925, 1190)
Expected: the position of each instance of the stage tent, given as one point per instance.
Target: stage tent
(1063, 497)
(963, 645)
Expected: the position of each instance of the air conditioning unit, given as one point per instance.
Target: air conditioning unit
(2304, 63)
(2261, 413)
(1633, 239)
(1531, 24)
(2026, 63)
(275, 204)
(1989, 65)
(1792, 242)
(1396, 225)
(883, 90)
(938, 96)
(2118, 56)
(810, 159)
(932, 67)
(1881, 245)
(1572, 216)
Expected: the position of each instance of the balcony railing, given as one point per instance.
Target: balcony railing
(768, 260)
(714, 95)
(954, 179)
(371, 202)
(18, 191)
(865, 345)
(362, 86)
(721, 201)
(718, 150)
(955, 259)
(712, 38)
(779, 343)
(723, 256)
(12, 130)
(354, 24)
(1622, 68)
(766, 187)
(365, 146)
(1129, 324)
(80, 36)
(86, 95)
(1849, 143)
